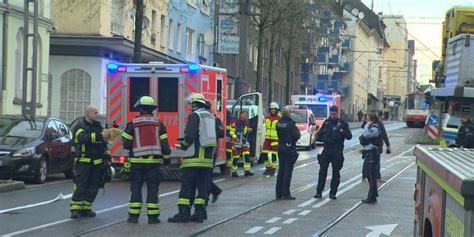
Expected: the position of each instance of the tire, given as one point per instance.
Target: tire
(69, 174)
(42, 172)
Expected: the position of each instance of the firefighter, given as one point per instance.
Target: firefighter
(199, 143)
(241, 129)
(147, 141)
(90, 140)
(270, 144)
(229, 144)
(465, 137)
(333, 132)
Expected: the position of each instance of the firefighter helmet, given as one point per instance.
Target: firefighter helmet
(197, 98)
(274, 105)
(146, 101)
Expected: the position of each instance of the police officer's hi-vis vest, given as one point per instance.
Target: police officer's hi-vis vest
(146, 140)
(207, 128)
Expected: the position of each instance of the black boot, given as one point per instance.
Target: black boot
(235, 175)
(75, 214)
(182, 216)
(88, 213)
(198, 215)
(248, 173)
(153, 219)
(132, 218)
(318, 195)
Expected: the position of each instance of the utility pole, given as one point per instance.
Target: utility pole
(28, 108)
(244, 10)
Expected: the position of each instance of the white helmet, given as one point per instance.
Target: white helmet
(274, 105)
(197, 97)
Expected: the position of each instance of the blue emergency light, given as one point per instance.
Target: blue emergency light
(322, 99)
(112, 66)
(193, 67)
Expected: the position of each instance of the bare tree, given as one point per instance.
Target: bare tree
(265, 14)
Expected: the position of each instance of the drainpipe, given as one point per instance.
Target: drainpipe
(4, 56)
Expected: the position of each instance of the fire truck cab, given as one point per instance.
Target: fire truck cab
(170, 85)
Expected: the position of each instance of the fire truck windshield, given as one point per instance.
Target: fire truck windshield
(319, 110)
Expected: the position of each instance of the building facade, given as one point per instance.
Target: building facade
(12, 40)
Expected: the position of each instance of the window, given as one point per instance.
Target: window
(190, 43)
(179, 38)
(75, 93)
(52, 129)
(63, 129)
(162, 31)
(19, 64)
(205, 8)
(170, 34)
(219, 95)
(192, 3)
(139, 86)
(153, 27)
(168, 94)
(20, 127)
(202, 46)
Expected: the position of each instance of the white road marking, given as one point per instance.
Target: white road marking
(290, 220)
(254, 230)
(304, 204)
(98, 212)
(273, 220)
(304, 213)
(272, 230)
(383, 169)
(289, 212)
(339, 192)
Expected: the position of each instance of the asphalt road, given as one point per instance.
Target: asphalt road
(246, 207)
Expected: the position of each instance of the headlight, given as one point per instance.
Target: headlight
(24, 152)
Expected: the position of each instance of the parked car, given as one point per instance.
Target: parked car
(33, 149)
(305, 122)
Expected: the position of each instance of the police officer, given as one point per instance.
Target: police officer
(91, 152)
(270, 145)
(199, 143)
(288, 135)
(147, 141)
(465, 138)
(333, 132)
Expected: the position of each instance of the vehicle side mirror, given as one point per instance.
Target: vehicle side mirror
(312, 123)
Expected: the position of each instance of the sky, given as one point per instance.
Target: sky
(424, 21)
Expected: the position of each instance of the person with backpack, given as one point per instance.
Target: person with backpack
(384, 139)
(465, 137)
(370, 140)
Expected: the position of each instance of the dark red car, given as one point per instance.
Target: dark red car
(33, 149)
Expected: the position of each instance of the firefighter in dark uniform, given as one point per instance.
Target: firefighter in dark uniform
(91, 151)
(147, 141)
(199, 143)
(333, 132)
(465, 137)
(288, 135)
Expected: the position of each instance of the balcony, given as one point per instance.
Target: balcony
(345, 68)
(335, 85)
(323, 49)
(334, 60)
(335, 33)
(346, 43)
(322, 58)
(337, 76)
(321, 86)
(323, 77)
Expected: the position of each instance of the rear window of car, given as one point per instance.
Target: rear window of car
(17, 127)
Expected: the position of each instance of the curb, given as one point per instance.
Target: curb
(6, 185)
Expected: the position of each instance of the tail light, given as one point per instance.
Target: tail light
(122, 159)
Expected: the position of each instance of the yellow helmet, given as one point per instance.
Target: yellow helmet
(197, 97)
(146, 101)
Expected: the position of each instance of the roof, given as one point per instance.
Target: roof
(371, 19)
(92, 45)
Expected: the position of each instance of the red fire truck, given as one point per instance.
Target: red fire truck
(170, 85)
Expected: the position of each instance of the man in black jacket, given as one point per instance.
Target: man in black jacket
(333, 132)
(90, 140)
(288, 135)
(465, 137)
